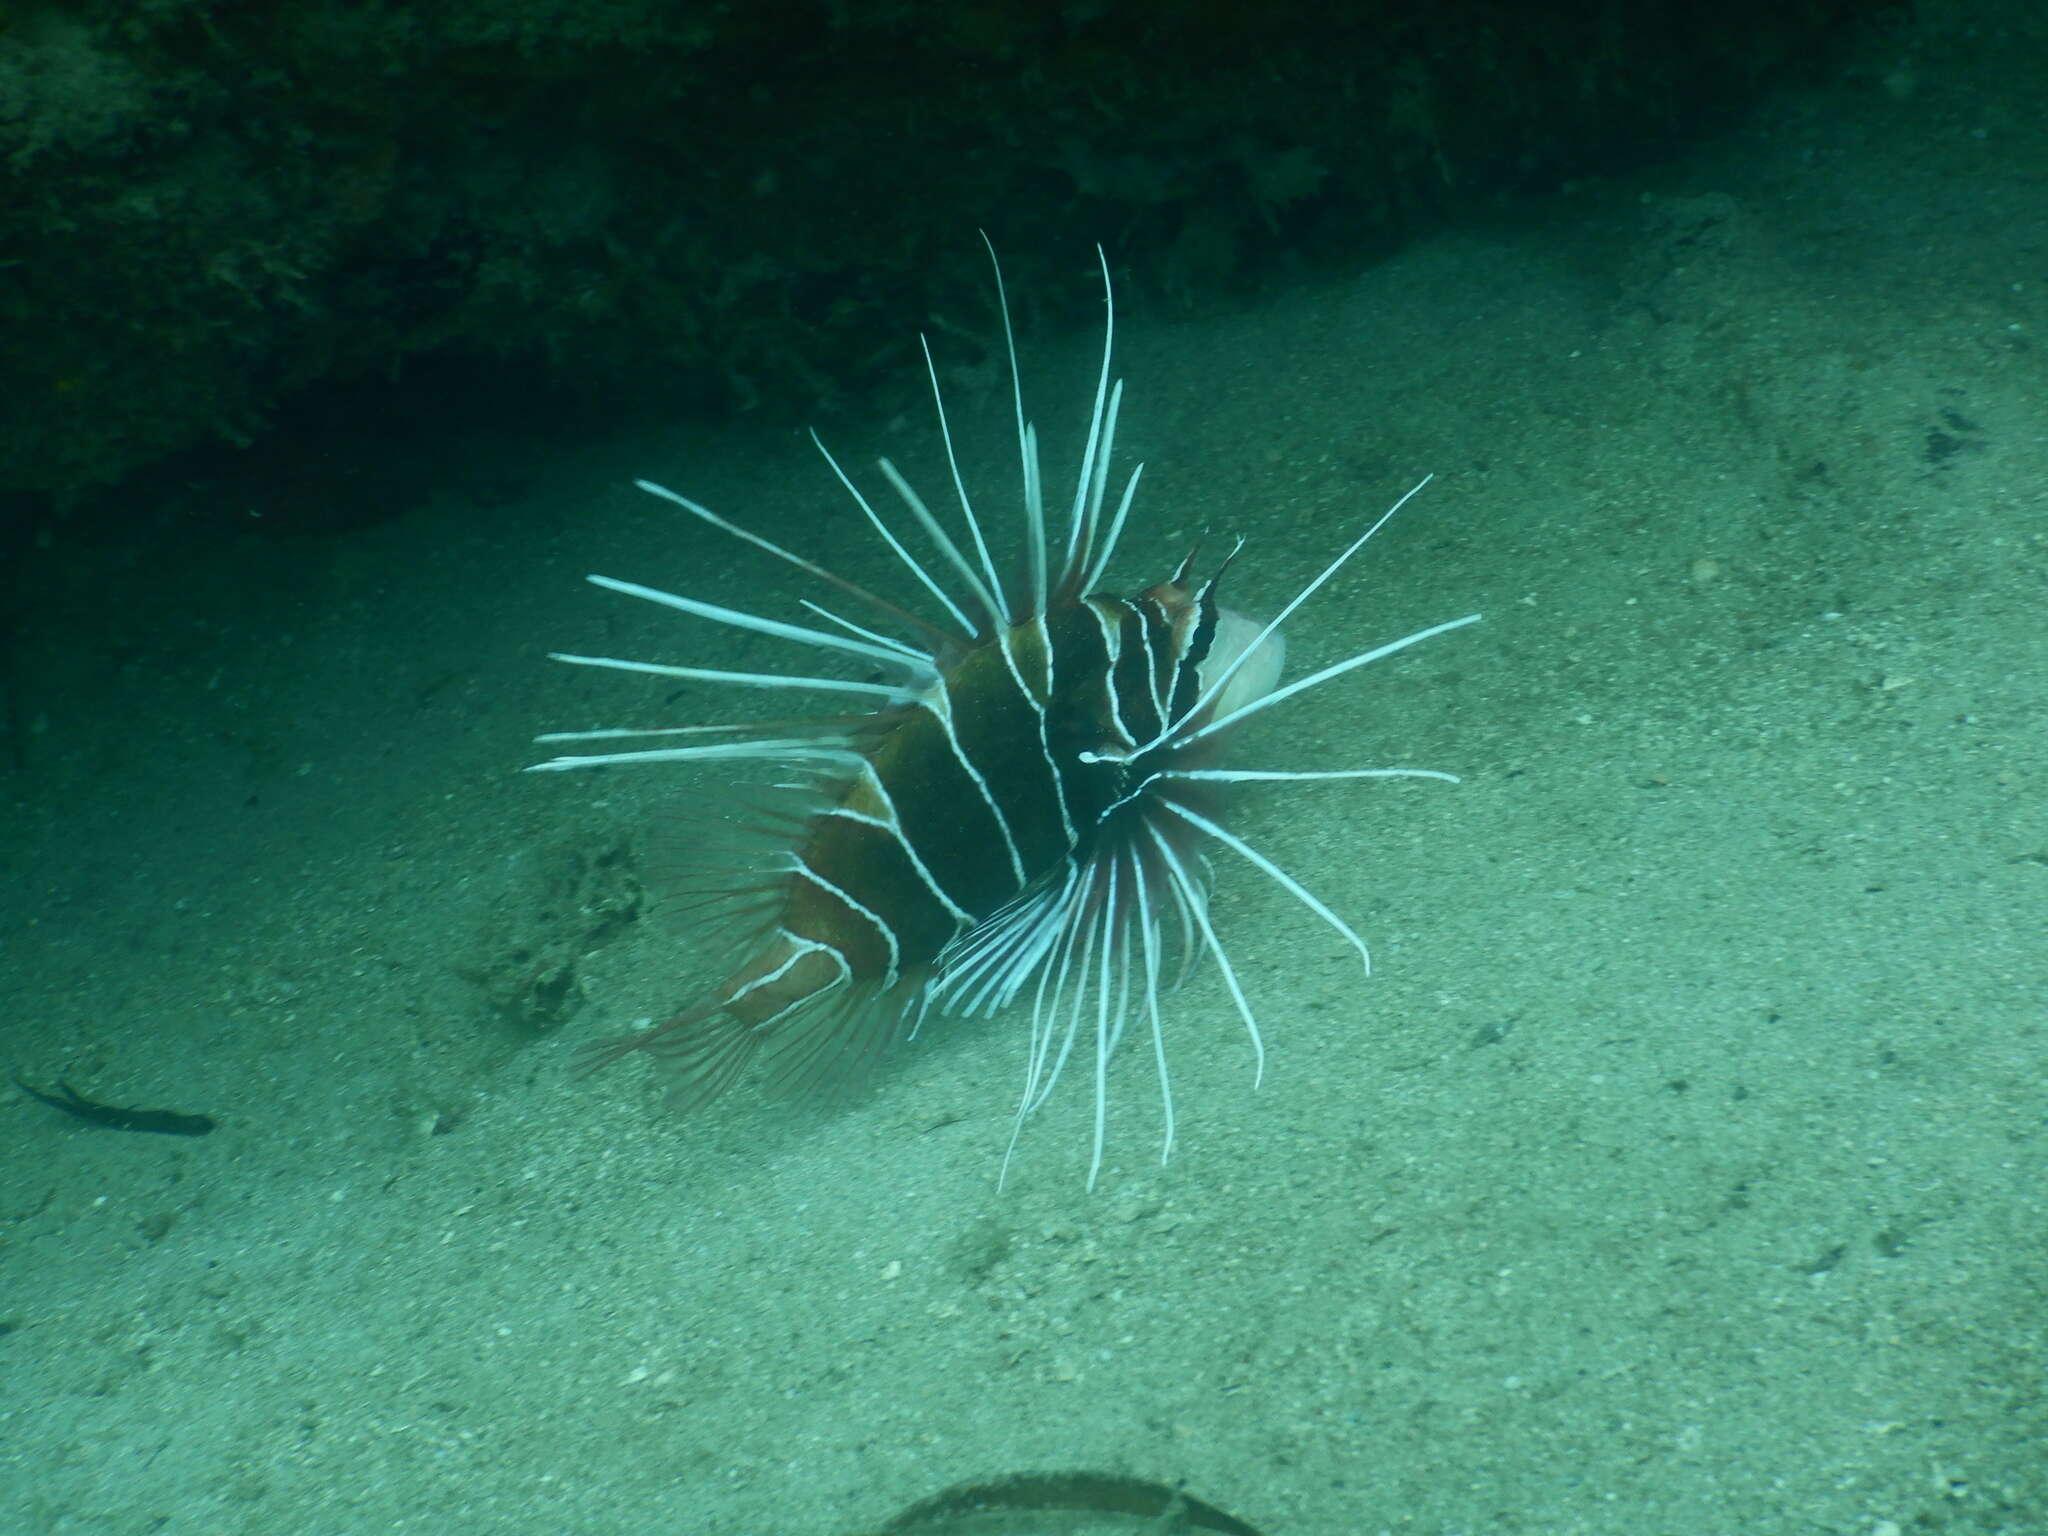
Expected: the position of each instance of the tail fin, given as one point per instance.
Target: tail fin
(701, 1051)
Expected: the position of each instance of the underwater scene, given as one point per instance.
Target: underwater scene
(1678, 1164)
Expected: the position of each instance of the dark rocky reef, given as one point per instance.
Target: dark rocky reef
(216, 216)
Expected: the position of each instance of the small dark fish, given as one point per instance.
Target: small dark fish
(163, 1121)
(1039, 1501)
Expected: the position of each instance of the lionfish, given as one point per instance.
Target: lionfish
(1024, 806)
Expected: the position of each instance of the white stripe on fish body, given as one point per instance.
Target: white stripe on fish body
(1025, 811)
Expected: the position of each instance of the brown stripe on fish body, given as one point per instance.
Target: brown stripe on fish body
(945, 805)
(1085, 641)
(785, 975)
(999, 724)
(1180, 629)
(861, 852)
(821, 909)
(1148, 693)
(1029, 649)
(1194, 629)
(1150, 659)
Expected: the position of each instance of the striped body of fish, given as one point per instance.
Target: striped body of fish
(1022, 810)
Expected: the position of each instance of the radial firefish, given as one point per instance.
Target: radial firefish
(1021, 812)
